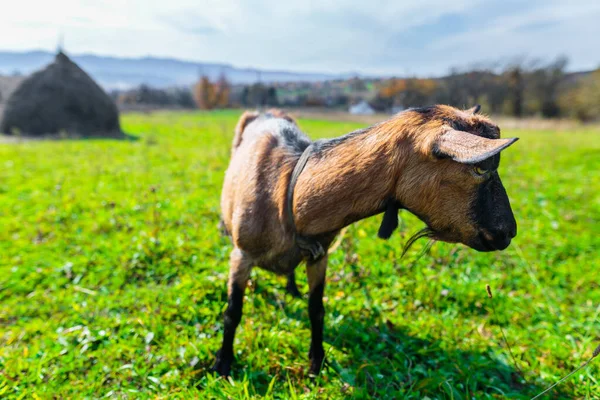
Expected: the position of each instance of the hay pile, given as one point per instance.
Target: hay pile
(60, 99)
(8, 84)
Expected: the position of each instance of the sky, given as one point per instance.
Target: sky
(370, 37)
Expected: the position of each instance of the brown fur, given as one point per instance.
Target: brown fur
(394, 160)
(345, 180)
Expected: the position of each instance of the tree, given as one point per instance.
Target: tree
(259, 95)
(222, 92)
(516, 87)
(407, 92)
(357, 85)
(582, 101)
(543, 85)
(464, 89)
(271, 97)
(245, 96)
(205, 94)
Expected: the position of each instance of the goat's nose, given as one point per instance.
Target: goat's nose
(512, 232)
(499, 239)
(502, 243)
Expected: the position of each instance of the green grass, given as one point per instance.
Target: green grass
(112, 280)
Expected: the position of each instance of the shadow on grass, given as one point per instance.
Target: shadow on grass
(387, 362)
(119, 136)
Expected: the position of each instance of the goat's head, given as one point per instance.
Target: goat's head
(452, 182)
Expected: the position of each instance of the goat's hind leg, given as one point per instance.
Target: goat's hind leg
(316, 272)
(239, 273)
(291, 286)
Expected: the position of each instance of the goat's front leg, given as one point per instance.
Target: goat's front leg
(239, 273)
(316, 272)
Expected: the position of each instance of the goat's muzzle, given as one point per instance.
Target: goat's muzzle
(493, 241)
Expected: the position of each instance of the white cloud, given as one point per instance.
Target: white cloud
(332, 36)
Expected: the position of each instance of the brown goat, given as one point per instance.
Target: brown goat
(439, 163)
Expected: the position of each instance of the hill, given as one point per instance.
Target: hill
(122, 73)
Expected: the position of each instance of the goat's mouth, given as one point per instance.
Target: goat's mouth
(480, 242)
(484, 244)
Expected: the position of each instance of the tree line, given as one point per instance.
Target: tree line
(523, 88)
(519, 89)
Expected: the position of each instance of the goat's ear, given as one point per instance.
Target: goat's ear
(468, 148)
(245, 119)
(474, 110)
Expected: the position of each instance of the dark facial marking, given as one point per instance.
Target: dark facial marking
(493, 214)
(485, 129)
(490, 164)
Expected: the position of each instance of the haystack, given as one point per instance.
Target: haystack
(60, 99)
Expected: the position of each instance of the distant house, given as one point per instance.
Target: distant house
(362, 108)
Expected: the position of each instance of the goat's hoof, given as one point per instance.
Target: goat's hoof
(316, 362)
(293, 290)
(222, 367)
(315, 368)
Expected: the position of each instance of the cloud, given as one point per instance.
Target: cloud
(190, 22)
(372, 37)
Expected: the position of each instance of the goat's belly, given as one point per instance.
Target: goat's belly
(281, 263)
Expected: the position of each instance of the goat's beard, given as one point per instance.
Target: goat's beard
(426, 232)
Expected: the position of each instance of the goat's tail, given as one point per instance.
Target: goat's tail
(245, 119)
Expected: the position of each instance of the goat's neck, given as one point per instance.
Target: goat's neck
(349, 179)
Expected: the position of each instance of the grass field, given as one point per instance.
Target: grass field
(112, 280)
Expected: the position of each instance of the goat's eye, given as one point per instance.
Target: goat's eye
(480, 171)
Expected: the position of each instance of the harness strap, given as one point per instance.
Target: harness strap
(309, 246)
